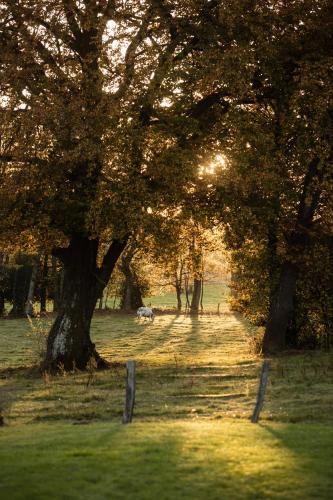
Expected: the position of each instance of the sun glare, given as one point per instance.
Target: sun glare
(213, 167)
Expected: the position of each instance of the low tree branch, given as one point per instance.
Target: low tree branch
(109, 261)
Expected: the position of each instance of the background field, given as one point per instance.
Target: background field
(191, 437)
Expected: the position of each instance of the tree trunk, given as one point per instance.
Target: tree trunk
(59, 290)
(281, 315)
(20, 290)
(187, 293)
(195, 303)
(100, 302)
(28, 308)
(281, 311)
(179, 285)
(69, 344)
(126, 300)
(2, 283)
(179, 295)
(43, 288)
(234, 283)
(2, 303)
(131, 294)
(57, 283)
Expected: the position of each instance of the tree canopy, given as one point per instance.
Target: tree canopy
(105, 118)
(110, 110)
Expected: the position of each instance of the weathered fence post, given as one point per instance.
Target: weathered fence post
(130, 392)
(261, 392)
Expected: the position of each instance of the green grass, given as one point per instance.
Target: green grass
(213, 295)
(182, 460)
(191, 437)
(187, 367)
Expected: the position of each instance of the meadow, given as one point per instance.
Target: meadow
(191, 437)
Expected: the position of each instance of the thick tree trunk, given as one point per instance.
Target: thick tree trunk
(281, 315)
(59, 285)
(195, 303)
(56, 280)
(69, 344)
(281, 312)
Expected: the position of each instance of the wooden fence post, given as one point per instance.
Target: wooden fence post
(130, 392)
(261, 392)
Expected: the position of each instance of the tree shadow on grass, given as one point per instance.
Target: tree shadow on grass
(113, 463)
(130, 338)
(15, 383)
(312, 447)
(144, 462)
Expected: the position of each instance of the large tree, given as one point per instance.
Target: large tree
(105, 113)
(277, 194)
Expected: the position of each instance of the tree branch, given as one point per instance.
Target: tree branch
(130, 56)
(56, 31)
(20, 17)
(7, 158)
(309, 200)
(54, 28)
(165, 13)
(202, 106)
(109, 10)
(109, 261)
(69, 10)
(60, 253)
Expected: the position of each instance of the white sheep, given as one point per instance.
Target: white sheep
(145, 312)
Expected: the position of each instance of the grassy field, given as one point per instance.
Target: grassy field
(172, 460)
(213, 295)
(191, 437)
